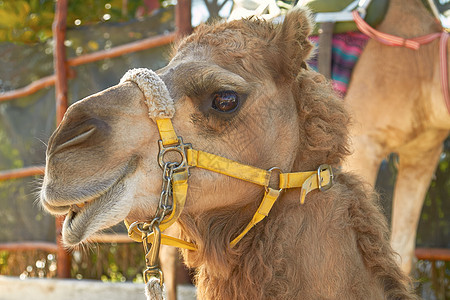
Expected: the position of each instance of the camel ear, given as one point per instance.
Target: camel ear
(292, 38)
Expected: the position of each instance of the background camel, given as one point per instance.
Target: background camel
(396, 103)
(241, 90)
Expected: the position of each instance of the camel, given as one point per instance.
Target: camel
(242, 92)
(397, 106)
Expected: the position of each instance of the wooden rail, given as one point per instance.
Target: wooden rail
(23, 172)
(21, 246)
(433, 254)
(110, 238)
(144, 44)
(29, 89)
(47, 81)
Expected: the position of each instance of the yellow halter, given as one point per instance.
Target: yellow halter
(321, 179)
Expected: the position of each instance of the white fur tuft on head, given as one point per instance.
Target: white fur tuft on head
(157, 98)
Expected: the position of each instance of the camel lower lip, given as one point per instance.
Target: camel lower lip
(74, 211)
(69, 217)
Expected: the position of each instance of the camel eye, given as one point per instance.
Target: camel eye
(226, 101)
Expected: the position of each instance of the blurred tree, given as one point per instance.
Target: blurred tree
(30, 21)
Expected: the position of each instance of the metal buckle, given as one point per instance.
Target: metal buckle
(320, 170)
(180, 148)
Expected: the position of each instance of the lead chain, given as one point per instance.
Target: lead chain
(152, 252)
(166, 191)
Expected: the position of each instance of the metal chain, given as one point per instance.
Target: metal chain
(166, 192)
(164, 207)
(151, 248)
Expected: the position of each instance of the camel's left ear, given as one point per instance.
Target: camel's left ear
(292, 38)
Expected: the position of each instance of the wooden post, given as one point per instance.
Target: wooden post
(60, 66)
(183, 27)
(183, 18)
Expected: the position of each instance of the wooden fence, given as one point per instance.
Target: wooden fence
(60, 80)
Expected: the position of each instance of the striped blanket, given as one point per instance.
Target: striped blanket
(347, 48)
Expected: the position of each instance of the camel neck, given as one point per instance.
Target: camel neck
(295, 245)
(408, 19)
(260, 257)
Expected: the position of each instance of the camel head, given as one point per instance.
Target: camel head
(240, 90)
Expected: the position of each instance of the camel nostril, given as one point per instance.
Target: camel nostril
(78, 132)
(77, 139)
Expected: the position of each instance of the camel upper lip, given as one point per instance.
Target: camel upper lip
(76, 204)
(63, 207)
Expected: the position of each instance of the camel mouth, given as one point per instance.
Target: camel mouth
(75, 202)
(86, 216)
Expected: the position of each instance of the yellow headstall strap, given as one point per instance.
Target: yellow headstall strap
(270, 196)
(166, 131)
(179, 186)
(321, 179)
(136, 236)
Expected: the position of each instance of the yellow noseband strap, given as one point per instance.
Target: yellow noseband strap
(321, 179)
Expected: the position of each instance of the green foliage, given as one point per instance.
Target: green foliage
(26, 21)
(30, 21)
(434, 228)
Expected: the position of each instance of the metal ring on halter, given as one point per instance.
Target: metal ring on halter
(320, 170)
(138, 225)
(179, 148)
(270, 172)
(154, 272)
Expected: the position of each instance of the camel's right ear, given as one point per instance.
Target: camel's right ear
(292, 38)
